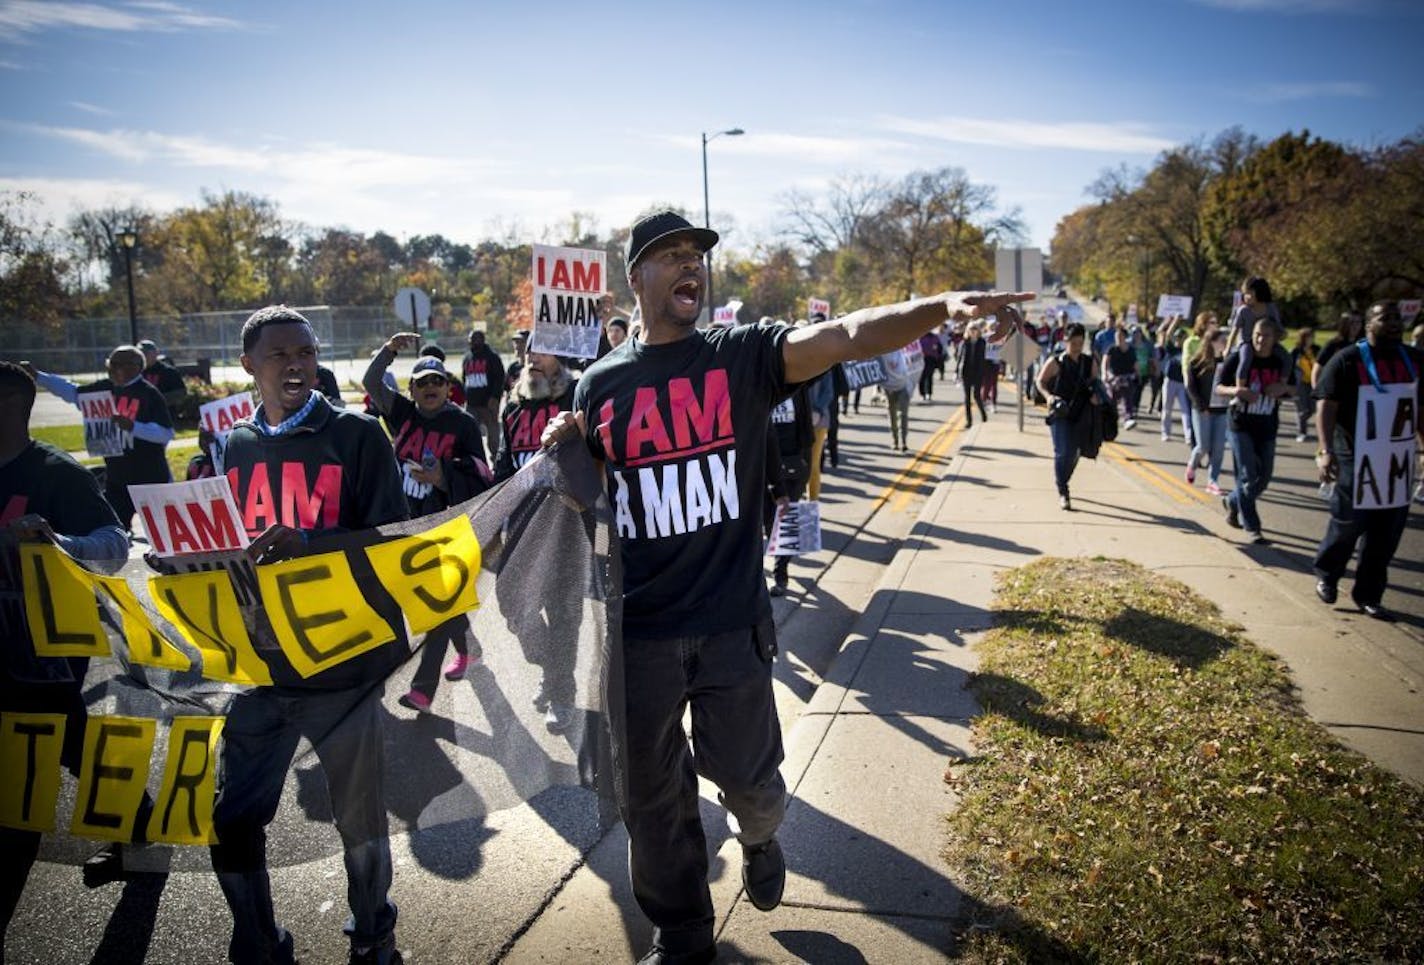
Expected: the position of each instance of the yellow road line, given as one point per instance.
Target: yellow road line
(937, 446)
(1175, 481)
(903, 484)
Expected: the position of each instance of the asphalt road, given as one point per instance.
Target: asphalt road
(471, 871)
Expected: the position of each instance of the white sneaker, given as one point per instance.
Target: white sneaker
(1130, 424)
(1302, 438)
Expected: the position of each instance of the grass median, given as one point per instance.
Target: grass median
(1148, 789)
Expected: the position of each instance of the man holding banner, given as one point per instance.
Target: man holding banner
(684, 458)
(135, 412)
(300, 469)
(47, 496)
(1369, 397)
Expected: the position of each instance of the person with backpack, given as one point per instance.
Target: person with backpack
(1067, 382)
(1254, 378)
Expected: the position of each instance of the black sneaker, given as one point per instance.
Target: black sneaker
(764, 874)
(1232, 519)
(657, 955)
(104, 866)
(385, 953)
(1326, 591)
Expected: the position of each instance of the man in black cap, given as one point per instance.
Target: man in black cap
(1370, 396)
(162, 375)
(684, 457)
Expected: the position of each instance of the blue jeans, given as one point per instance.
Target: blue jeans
(1210, 428)
(1065, 452)
(260, 737)
(1255, 462)
(1175, 395)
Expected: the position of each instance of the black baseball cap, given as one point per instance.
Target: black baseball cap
(664, 224)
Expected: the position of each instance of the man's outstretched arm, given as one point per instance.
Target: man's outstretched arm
(809, 351)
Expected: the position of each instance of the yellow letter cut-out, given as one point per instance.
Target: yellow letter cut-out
(431, 574)
(319, 615)
(147, 644)
(184, 811)
(29, 758)
(204, 608)
(55, 585)
(113, 776)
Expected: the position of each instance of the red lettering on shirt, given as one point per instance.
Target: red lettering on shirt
(15, 508)
(412, 441)
(298, 505)
(1391, 372)
(525, 426)
(700, 417)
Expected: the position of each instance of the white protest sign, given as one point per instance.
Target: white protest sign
(815, 305)
(914, 360)
(796, 529)
(101, 436)
(863, 374)
(1179, 305)
(219, 416)
(198, 516)
(1409, 308)
(1131, 315)
(727, 314)
(568, 283)
(1385, 445)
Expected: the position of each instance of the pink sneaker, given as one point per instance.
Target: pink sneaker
(1212, 489)
(1191, 473)
(416, 701)
(455, 669)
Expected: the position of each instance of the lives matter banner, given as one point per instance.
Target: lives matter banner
(128, 741)
(568, 283)
(863, 374)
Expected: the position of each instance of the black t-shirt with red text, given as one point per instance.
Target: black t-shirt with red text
(1263, 417)
(522, 425)
(681, 428)
(142, 461)
(335, 471)
(482, 375)
(1345, 376)
(451, 437)
(45, 481)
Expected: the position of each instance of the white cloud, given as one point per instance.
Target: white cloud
(1275, 93)
(19, 18)
(1122, 138)
(797, 147)
(88, 108)
(60, 197)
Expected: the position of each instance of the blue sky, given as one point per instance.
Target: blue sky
(488, 119)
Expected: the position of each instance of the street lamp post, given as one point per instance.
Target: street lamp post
(128, 238)
(707, 206)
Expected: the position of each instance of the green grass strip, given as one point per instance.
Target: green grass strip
(1148, 789)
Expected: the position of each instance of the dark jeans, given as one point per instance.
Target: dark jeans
(736, 741)
(973, 393)
(1126, 390)
(927, 381)
(432, 653)
(1065, 452)
(1377, 531)
(259, 738)
(1255, 463)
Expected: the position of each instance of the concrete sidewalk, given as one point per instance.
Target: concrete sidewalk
(865, 761)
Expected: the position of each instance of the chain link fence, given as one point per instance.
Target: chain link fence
(348, 334)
